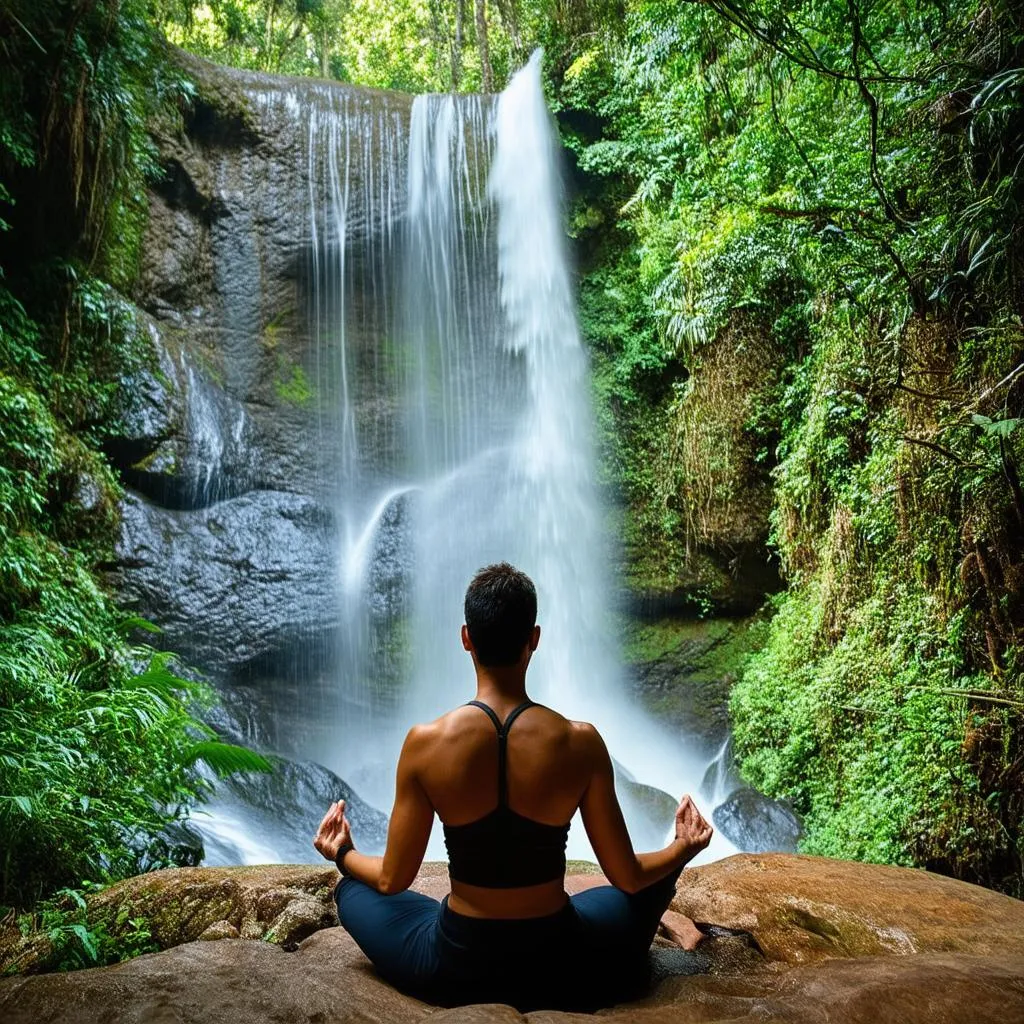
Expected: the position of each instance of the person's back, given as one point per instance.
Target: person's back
(547, 766)
(505, 776)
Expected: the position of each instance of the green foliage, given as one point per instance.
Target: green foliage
(859, 735)
(78, 942)
(413, 45)
(99, 741)
(98, 738)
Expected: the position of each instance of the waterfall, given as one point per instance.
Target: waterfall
(454, 414)
(499, 452)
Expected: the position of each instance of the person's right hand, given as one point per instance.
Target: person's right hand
(334, 830)
(691, 828)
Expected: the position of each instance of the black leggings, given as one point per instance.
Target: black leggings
(592, 953)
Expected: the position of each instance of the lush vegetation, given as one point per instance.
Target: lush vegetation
(803, 255)
(414, 45)
(98, 737)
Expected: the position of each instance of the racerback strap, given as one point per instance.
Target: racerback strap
(502, 730)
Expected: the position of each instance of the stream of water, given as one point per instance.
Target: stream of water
(445, 317)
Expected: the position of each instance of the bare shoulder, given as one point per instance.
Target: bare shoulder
(588, 742)
(422, 740)
(429, 735)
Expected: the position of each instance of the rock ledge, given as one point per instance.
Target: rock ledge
(799, 939)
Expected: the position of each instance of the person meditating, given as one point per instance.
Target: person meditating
(505, 775)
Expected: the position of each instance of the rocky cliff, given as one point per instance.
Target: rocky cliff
(231, 444)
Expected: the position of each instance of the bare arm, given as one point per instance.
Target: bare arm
(606, 829)
(408, 830)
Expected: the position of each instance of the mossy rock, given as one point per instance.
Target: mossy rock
(278, 903)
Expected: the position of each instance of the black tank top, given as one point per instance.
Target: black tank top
(504, 850)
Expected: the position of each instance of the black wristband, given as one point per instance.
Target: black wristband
(339, 858)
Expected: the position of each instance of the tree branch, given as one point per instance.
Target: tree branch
(872, 104)
(932, 446)
(798, 50)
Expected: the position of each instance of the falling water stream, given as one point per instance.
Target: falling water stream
(444, 314)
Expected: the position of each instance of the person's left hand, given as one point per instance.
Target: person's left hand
(334, 831)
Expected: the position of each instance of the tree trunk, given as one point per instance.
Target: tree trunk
(460, 21)
(509, 14)
(268, 34)
(443, 41)
(486, 74)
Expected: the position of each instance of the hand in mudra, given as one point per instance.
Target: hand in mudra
(334, 831)
(691, 827)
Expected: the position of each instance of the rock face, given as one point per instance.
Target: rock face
(241, 424)
(291, 802)
(264, 390)
(818, 940)
(235, 580)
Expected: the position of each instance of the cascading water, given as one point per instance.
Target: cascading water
(440, 304)
(498, 432)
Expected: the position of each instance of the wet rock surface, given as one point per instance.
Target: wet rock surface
(757, 824)
(290, 803)
(683, 668)
(814, 940)
(232, 582)
(251, 355)
(183, 442)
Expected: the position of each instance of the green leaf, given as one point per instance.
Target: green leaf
(995, 428)
(86, 938)
(23, 803)
(133, 622)
(1004, 428)
(227, 759)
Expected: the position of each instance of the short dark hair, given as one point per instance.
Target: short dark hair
(501, 611)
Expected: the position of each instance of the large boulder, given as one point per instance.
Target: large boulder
(757, 824)
(802, 909)
(285, 807)
(234, 582)
(897, 946)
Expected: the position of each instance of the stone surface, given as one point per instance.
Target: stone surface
(291, 801)
(181, 440)
(960, 958)
(756, 824)
(682, 669)
(220, 930)
(229, 584)
(235, 271)
(802, 909)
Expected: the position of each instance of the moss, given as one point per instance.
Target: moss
(157, 461)
(122, 247)
(685, 669)
(291, 385)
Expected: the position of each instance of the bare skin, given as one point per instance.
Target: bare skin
(449, 767)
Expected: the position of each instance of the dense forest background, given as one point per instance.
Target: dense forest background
(798, 231)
